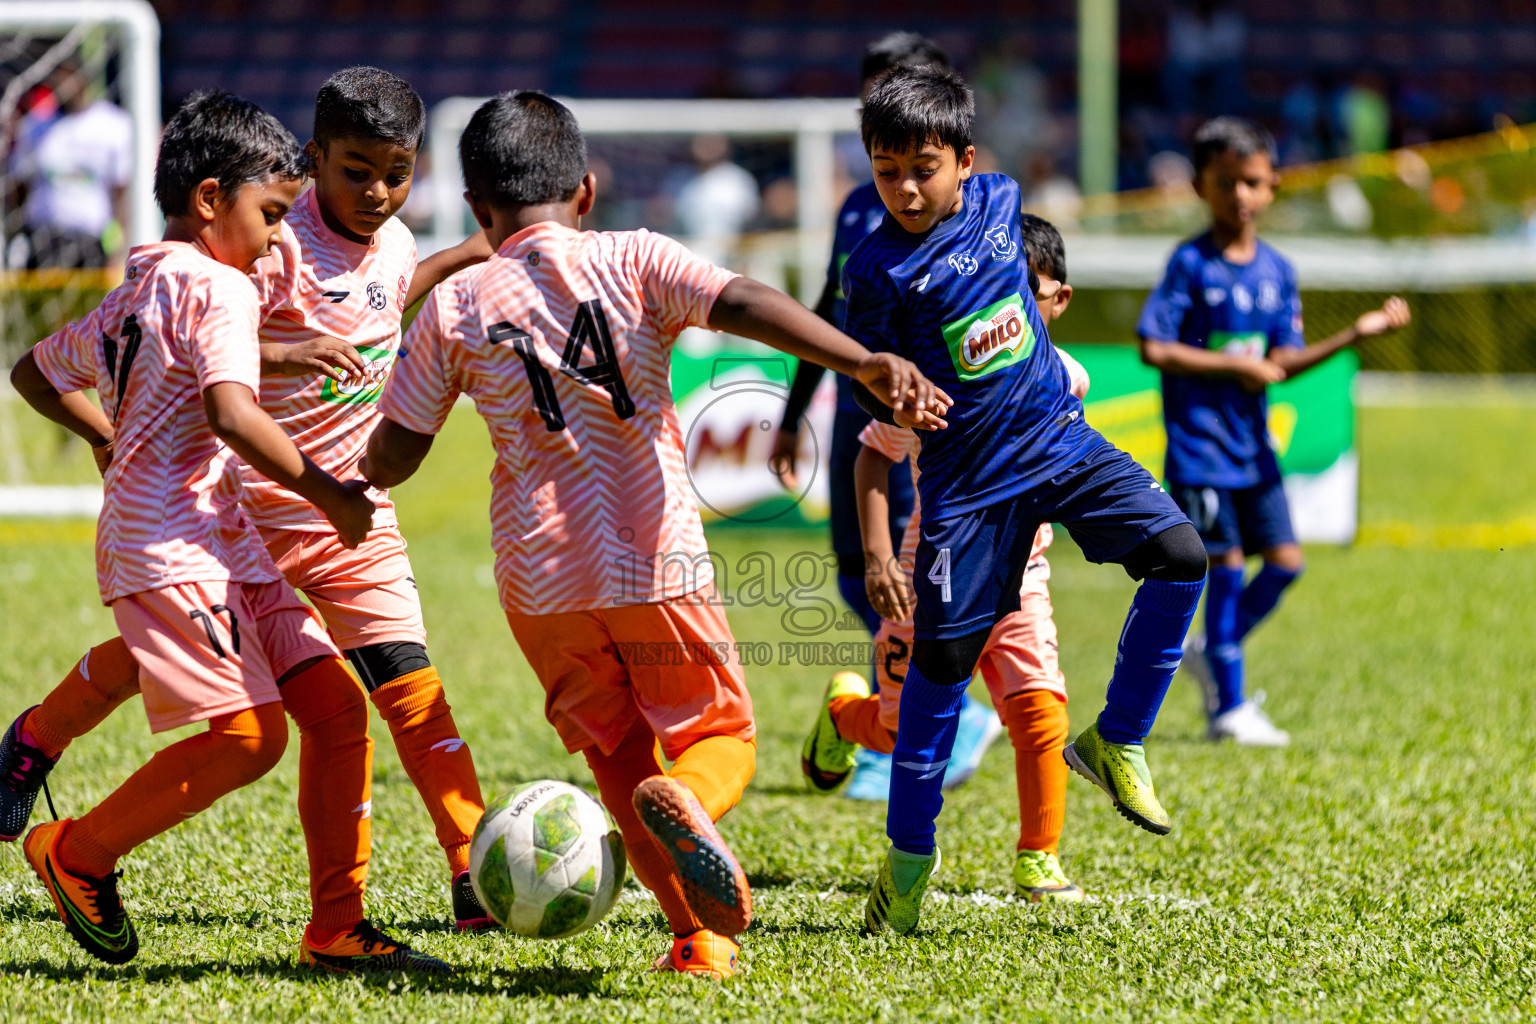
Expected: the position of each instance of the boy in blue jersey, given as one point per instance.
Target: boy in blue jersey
(1224, 323)
(942, 282)
(861, 213)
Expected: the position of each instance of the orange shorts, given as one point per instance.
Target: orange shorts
(215, 648)
(1020, 654)
(673, 663)
(366, 595)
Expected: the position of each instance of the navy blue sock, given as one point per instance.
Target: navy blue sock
(852, 589)
(1151, 645)
(925, 738)
(1261, 596)
(1223, 641)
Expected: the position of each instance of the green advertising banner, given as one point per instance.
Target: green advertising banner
(731, 393)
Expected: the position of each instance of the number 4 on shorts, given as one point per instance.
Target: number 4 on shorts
(939, 574)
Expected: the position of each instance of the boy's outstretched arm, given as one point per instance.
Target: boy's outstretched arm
(394, 454)
(1188, 360)
(1390, 317)
(884, 581)
(444, 264)
(754, 310)
(239, 422)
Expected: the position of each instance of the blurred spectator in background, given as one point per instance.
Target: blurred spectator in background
(1203, 75)
(69, 176)
(717, 202)
(1049, 193)
(1013, 105)
(1305, 133)
(1365, 120)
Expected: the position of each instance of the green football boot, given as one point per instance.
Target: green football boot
(896, 901)
(827, 759)
(1119, 769)
(1040, 879)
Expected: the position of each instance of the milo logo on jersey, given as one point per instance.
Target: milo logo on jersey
(990, 339)
(367, 389)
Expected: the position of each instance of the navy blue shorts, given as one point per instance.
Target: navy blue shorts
(969, 566)
(847, 542)
(1253, 518)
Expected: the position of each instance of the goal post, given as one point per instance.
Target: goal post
(138, 79)
(810, 124)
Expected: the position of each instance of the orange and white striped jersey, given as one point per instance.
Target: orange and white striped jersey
(564, 341)
(897, 443)
(319, 283)
(179, 323)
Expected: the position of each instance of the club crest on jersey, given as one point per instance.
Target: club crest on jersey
(991, 338)
(1003, 247)
(376, 297)
(367, 390)
(400, 289)
(963, 263)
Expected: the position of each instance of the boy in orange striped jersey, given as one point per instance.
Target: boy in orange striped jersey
(1019, 662)
(172, 353)
(564, 340)
(332, 294)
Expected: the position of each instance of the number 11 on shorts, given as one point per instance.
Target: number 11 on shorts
(940, 574)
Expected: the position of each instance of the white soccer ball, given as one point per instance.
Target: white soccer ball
(546, 860)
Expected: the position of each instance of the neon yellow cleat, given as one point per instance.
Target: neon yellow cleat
(896, 901)
(1119, 769)
(827, 759)
(1040, 879)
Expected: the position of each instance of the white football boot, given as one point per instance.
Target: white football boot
(1247, 725)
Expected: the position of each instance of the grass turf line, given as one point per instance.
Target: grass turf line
(1378, 869)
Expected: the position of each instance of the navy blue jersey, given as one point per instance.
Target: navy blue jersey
(1218, 434)
(957, 302)
(861, 214)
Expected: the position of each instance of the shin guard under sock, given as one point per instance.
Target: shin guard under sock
(1150, 647)
(100, 682)
(925, 739)
(1223, 643)
(1037, 727)
(617, 774)
(1261, 596)
(335, 788)
(435, 758)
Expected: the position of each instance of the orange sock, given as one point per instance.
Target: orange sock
(717, 769)
(858, 720)
(178, 782)
(1037, 727)
(634, 760)
(435, 758)
(98, 684)
(335, 789)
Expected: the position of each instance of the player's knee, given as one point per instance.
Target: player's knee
(378, 664)
(253, 741)
(1177, 555)
(1286, 557)
(949, 662)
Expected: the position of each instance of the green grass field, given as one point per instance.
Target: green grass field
(1380, 868)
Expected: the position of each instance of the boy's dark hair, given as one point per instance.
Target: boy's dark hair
(1043, 246)
(900, 50)
(523, 149)
(912, 106)
(369, 103)
(218, 135)
(1230, 135)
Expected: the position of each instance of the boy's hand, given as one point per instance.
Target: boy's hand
(786, 449)
(901, 385)
(1392, 316)
(329, 357)
(889, 594)
(102, 453)
(1257, 374)
(351, 512)
(925, 420)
